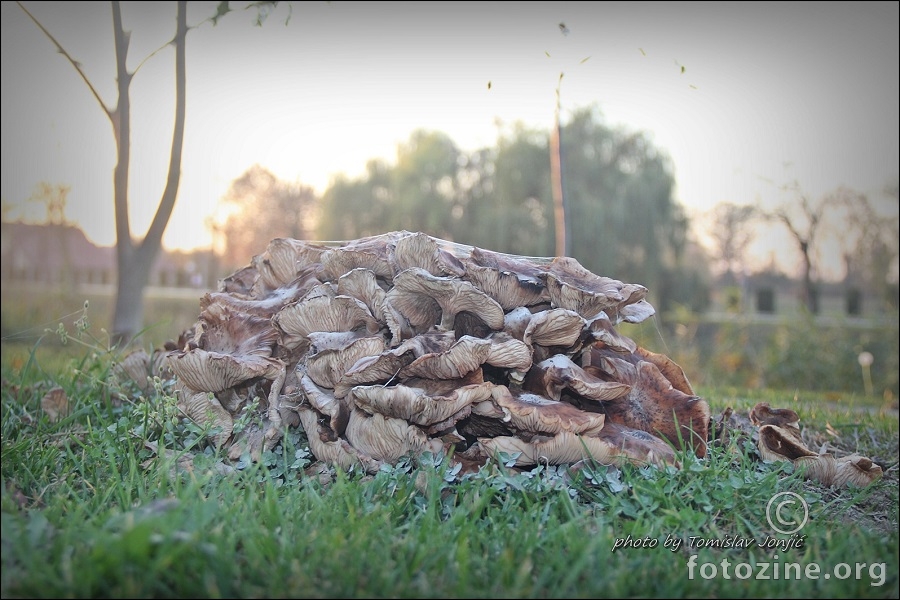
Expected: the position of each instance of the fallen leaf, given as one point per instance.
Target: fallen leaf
(55, 404)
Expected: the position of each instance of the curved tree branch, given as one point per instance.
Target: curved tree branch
(74, 63)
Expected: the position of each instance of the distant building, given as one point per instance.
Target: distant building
(61, 254)
(771, 294)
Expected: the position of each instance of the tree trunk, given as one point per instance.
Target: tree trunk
(134, 261)
(559, 200)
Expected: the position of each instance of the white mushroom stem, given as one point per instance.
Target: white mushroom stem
(273, 433)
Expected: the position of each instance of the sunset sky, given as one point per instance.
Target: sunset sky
(744, 97)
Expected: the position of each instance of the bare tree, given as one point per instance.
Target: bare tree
(54, 198)
(869, 239)
(732, 234)
(802, 220)
(135, 257)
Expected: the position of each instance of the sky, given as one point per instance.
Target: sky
(744, 97)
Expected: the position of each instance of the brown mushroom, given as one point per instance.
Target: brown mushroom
(240, 283)
(140, 368)
(538, 414)
(371, 253)
(234, 348)
(669, 369)
(269, 303)
(552, 376)
(780, 439)
(205, 409)
(464, 356)
(506, 352)
(567, 447)
(336, 409)
(403, 343)
(362, 284)
(652, 404)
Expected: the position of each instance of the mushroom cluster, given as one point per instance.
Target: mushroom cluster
(402, 343)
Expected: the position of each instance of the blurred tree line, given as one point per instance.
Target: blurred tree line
(622, 218)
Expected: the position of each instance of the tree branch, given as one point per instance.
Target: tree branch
(154, 235)
(74, 63)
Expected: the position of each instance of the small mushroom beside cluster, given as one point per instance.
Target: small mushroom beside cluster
(780, 440)
(402, 343)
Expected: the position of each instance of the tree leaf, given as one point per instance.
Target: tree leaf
(222, 9)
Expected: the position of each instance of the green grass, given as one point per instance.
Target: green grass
(124, 498)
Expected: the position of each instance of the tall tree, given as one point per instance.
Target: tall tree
(624, 220)
(423, 190)
(135, 257)
(257, 208)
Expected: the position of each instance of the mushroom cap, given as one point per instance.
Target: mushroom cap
(853, 470)
(422, 251)
(326, 366)
(322, 310)
(234, 348)
(205, 409)
(269, 303)
(602, 330)
(138, 367)
(530, 412)
(240, 283)
(373, 253)
(506, 352)
(572, 286)
(426, 300)
(336, 409)
(383, 368)
(387, 439)
(552, 327)
(335, 451)
(282, 261)
(611, 445)
(563, 448)
(511, 281)
(464, 356)
(639, 446)
(415, 404)
(552, 376)
(362, 284)
(763, 414)
(669, 369)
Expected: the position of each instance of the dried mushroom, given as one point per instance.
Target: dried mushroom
(402, 343)
(780, 439)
